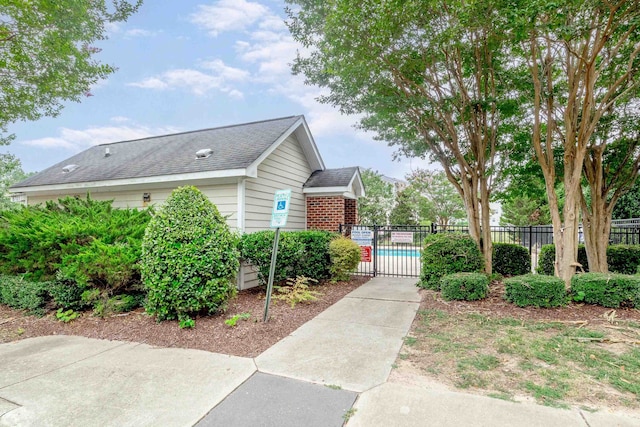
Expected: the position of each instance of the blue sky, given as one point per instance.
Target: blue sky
(187, 65)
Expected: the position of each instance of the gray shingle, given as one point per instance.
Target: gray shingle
(331, 177)
(234, 147)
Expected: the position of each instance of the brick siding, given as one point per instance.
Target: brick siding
(328, 212)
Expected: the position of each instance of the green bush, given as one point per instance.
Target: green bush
(607, 290)
(256, 248)
(535, 290)
(23, 294)
(345, 257)
(190, 258)
(35, 240)
(448, 253)
(547, 258)
(510, 259)
(464, 286)
(316, 262)
(67, 294)
(623, 259)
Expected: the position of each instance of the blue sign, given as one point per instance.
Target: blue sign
(280, 208)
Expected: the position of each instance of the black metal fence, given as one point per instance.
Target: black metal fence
(394, 250)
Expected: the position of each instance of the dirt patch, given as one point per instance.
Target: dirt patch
(580, 355)
(248, 338)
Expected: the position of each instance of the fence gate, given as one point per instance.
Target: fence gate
(388, 250)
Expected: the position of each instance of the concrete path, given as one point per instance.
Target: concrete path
(311, 378)
(353, 343)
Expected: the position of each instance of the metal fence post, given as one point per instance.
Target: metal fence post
(530, 240)
(375, 250)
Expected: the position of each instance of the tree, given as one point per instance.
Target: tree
(522, 210)
(445, 202)
(582, 57)
(10, 173)
(405, 212)
(628, 205)
(426, 75)
(47, 54)
(376, 206)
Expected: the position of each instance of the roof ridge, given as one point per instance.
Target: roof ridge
(198, 130)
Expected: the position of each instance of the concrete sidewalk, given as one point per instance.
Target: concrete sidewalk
(332, 368)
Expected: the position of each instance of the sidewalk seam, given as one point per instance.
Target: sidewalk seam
(584, 418)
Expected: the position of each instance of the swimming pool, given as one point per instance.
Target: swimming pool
(399, 252)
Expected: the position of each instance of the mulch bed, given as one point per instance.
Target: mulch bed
(496, 306)
(248, 338)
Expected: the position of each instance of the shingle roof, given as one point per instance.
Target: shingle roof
(234, 147)
(331, 177)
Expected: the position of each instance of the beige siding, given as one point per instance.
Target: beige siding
(224, 196)
(286, 167)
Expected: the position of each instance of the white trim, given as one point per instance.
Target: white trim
(227, 173)
(241, 205)
(317, 190)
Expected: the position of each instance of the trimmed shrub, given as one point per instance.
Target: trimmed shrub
(510, 259)
(547, 258)
(535, 290)
(23, 294)
(316, 262)
(256, 248)
(189, 258)
(623, 259)
(464, 286)
(448, 253)
(345, 257)
(607, 290)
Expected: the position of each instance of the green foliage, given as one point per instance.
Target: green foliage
(445, 204)
(66, 316)
(300, 253)
(628, 205)
(510, 259)
(464, 286)
(607, 290)
(405, 211)
(376, 205)
(189, 258)
(10, 173)
(48, 55)
(22, 294)
(623, 259)
(345, 257)
(67, 294)
(233, 320)
(296, 291)
(447, 253)
(523, 210)
(547, 258)
(535, 290)
(36, 239)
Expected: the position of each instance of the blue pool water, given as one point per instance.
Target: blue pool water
(399, 252)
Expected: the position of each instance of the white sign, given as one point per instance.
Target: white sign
(402, 237)
(361, 234)
(281, 201)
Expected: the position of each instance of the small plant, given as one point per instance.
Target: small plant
(232, 321)
(297, 291)
(23, 294)
(464, 286)
(347, 415)
(448, 253)
(535, 290)
(187, 323)
(66, 316)
(345, 256)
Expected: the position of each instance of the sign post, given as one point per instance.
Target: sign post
(279, 215)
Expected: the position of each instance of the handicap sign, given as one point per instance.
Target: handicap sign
(280, 211)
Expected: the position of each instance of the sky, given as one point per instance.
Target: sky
(188, 65)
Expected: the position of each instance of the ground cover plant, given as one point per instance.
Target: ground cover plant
(585, 355)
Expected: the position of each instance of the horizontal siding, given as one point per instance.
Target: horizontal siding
(223, 196)
(286, 167)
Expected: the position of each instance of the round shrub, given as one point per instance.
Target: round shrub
(345, 256)
(535, 290)
(464, 286)
(547, 258)
(607, 290)
(256, 248)
(510, 259)
(189, 258)
(448, 253)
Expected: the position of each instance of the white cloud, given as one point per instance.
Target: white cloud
(228, 15)
(77, 140)
(225, 72)
(120, 119)
(139, 32)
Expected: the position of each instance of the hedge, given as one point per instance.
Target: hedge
(535, 290)
(510, 259)
(464, 286)
(623, 259)
(547, 258)
(23, 294)
(607, 290)
(448, 253)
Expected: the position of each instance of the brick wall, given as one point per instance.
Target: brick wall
(328, 212)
